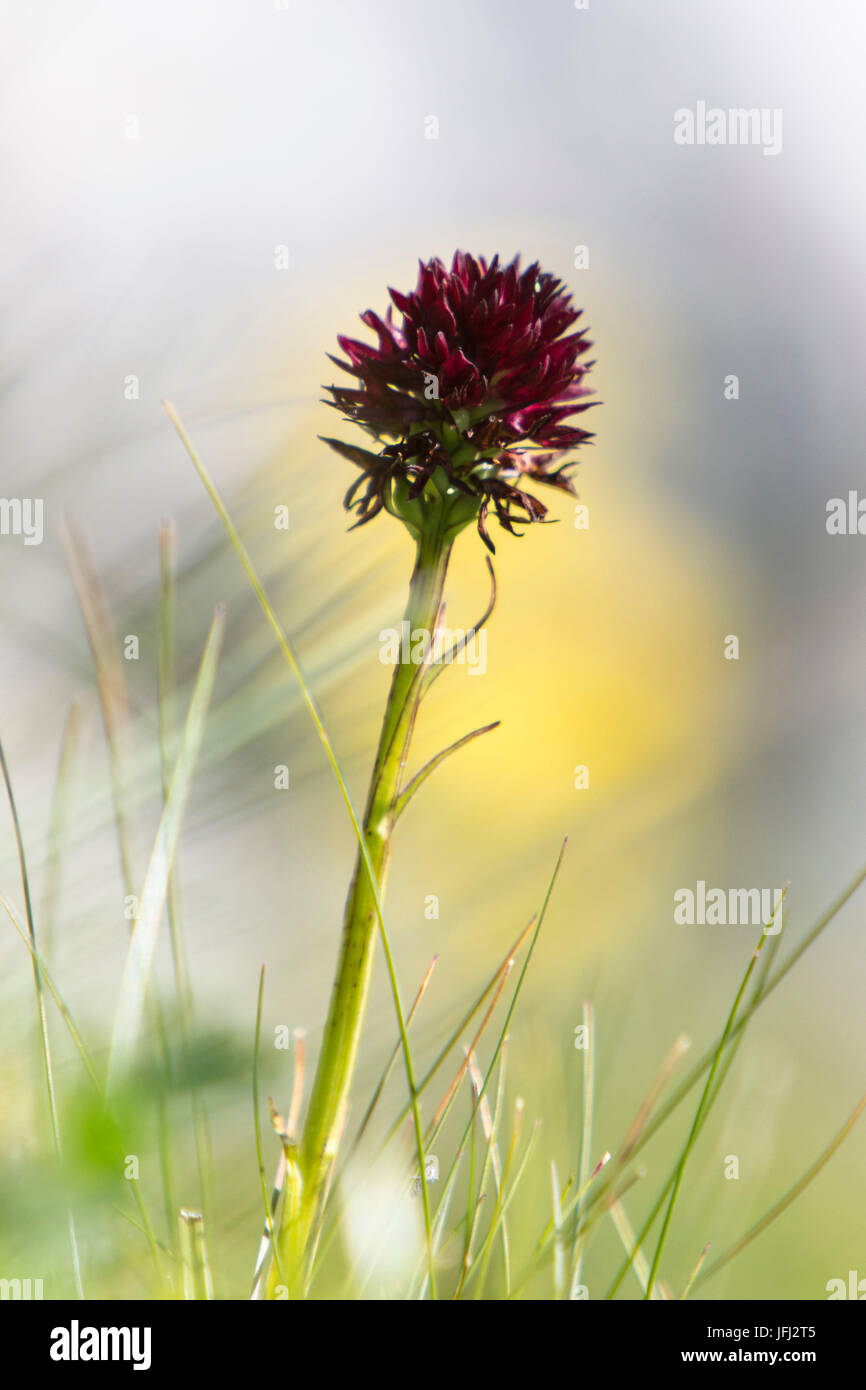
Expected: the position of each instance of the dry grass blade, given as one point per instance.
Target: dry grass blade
(293, 1122)
(637, 1259)
(167, 700)
(69, 749)
(490, 1127)
(650, 1101)
(473, 1203)
(464, 1023)
(695, 1272)
(110, 679)
(445, 1103)
(139, 957)
(374, 1100)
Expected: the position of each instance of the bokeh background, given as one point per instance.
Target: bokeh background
(159, 164)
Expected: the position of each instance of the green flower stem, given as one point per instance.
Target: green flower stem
(330, 1093)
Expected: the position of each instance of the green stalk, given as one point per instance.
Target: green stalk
(330, 1093)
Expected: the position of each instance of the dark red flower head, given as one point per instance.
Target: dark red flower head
(478, 381)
